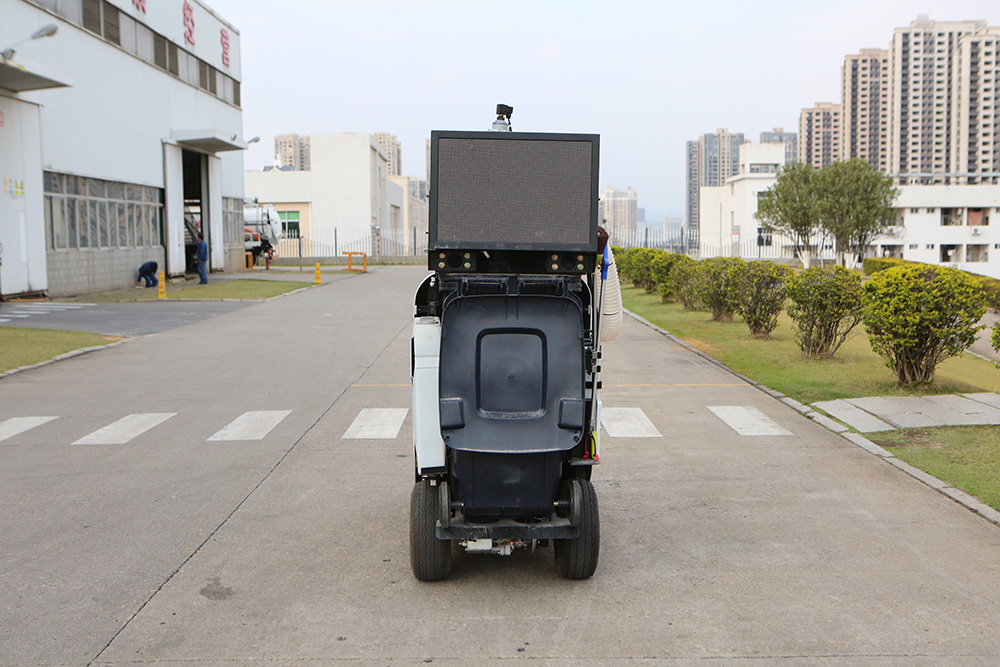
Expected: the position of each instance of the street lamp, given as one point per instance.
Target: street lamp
(45, 31)
(253, 141)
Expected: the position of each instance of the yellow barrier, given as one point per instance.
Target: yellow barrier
(350, 256)
(317, 281)
(161, 287)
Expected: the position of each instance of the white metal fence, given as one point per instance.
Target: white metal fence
(335, 242)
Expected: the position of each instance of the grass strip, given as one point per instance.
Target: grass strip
(855, 371)
(239, 289)
(26, 347)
(967, 457)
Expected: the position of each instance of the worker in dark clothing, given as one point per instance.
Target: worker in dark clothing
(147, 272)
(201, 260)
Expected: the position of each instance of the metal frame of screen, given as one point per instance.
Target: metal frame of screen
(434, 243)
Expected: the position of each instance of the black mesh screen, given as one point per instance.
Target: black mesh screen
(529, 193)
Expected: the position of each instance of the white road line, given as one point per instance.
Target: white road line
(377, 423)
(125, 429)
(746, 420)
(628, 423)
(252, 425)
(16, 425)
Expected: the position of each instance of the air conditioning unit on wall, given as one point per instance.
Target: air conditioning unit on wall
(976, 231)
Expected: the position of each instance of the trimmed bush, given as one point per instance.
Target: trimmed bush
(760, 294)
(991, 290)
(826, 306)
(872, 265)
(639, 263)
(662, 262)
(682, 283)
(917, 316)
(717, 289)
(995, 339)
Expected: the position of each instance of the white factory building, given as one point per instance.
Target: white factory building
(121, 138)
(344, 202)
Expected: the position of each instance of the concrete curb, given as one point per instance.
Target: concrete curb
(63, 357)
(957, 495)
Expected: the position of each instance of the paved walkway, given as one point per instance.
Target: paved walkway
(869, 415)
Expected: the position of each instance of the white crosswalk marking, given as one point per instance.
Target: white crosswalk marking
(377, 423)
(252, 425)
(628, 423)
(15, 425)
(747, 420)
(126, 428)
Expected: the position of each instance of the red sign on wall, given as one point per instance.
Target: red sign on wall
(188, 23)
(225, 46)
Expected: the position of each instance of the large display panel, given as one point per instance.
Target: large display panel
(513, 191)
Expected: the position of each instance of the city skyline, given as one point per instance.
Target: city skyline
(644, 79)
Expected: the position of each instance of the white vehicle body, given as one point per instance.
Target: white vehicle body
(261, 228)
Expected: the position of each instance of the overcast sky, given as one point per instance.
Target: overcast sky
(646, 76)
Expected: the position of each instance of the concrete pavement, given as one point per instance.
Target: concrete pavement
(738, 530)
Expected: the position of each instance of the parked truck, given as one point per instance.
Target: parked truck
(261, 230)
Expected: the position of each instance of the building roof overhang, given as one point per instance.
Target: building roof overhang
(207, 141)
(21, 76)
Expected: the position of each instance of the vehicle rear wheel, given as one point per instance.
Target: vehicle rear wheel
(577, 558)
(430, 558)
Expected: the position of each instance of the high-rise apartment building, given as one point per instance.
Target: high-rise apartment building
(865, 88)
(711, 159)
(819, 134)
(779, 136)
(292, 151)
(620, 211)
(393, 151)
(925, 116)
(975, 126)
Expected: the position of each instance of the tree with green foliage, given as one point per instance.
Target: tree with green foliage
(855, 203)
(825, 306)
(682, 283)
(918, 316)
(717, 288)
(790, 207)
(760, 294)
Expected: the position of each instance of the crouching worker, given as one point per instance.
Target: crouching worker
(147, 272)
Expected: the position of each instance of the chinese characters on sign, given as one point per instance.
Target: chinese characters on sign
(225, 47)
(188, 23)
(140, 5)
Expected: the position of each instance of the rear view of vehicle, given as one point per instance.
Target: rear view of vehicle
(505, 351)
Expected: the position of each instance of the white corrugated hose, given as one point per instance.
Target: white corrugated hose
(611, 309)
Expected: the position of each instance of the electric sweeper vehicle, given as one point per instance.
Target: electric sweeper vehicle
(506, 351)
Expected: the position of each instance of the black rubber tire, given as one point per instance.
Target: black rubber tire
(577, 558)
(430, 558)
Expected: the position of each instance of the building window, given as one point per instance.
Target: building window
(913, 246)
(977, 253)
(92, 213)
(289, 223)
(232, 222)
